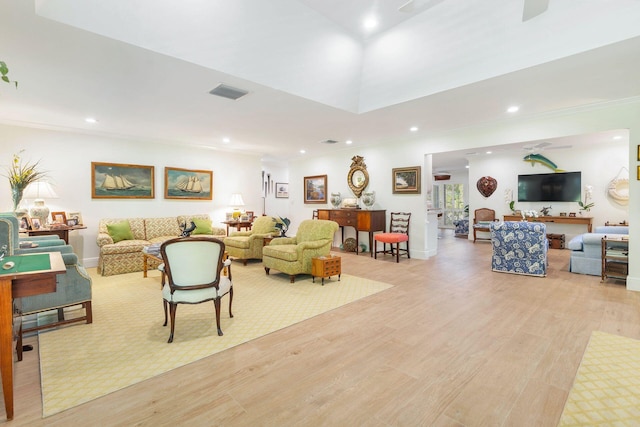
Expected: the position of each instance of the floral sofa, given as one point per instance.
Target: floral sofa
(586, 250)
(519, 247)
(125, 256)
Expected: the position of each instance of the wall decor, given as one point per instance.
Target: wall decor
(638, 173)
(77, 216)
(59, 218)
(315, 189)
(121, 181)
(539, 158)
(188, 184)
(282, 190)
(639, 153)
(358, 177)
(406, 180)
(486, 185)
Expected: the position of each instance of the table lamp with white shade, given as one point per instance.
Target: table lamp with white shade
(39, 191)
(236, 203)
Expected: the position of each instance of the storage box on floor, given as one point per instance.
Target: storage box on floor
(556, 241)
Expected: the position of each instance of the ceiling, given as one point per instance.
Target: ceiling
(144, 68)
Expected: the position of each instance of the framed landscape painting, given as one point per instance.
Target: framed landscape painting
(121, 181)
(406, 180)
(188, 184)
(315, 189)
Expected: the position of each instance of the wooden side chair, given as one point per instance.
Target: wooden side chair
(398, 233)
(482, 220)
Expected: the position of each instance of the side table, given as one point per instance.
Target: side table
(326, 266)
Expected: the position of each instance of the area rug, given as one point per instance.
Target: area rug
(606, 391)
(127, 343)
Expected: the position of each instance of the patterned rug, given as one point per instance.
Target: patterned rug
(127, 343)
(606, 391)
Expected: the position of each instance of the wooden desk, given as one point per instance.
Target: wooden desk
(360, 219)
(16, 283)
(584, 220)
(238, 225)
(62, 232)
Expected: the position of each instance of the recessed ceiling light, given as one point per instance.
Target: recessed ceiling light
(91, 120)
(467, 166)
(370, 22)
(348, 142)
(302, 151)
(413, 128)
(226, 140)
(488, 152)
(513, 109)
(617, 137)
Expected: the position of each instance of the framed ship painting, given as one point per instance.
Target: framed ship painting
(121, 181)
(188, 184)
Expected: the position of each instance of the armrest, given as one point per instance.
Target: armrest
(241, 233)
(314, 244)
(43, 243)
(104, 239)
(284, 241)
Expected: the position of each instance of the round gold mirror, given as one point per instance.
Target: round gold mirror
(358, 177)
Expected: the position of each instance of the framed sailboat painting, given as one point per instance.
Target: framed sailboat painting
(121, 181)
(188, 184)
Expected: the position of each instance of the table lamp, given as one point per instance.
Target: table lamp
(39, 191)
(236, 203)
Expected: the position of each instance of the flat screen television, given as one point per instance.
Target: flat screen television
(550, 187)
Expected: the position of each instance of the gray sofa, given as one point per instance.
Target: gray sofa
(586, 250)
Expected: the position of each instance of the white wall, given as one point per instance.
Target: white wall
(67, 157)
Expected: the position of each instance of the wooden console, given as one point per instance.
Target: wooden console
(583, 220)
(360, 219)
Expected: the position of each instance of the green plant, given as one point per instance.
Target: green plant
(282, 224)
(512, 206)
(4, 71)
(584, 206)
(20, 176)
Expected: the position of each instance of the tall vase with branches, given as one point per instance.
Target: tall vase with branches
(20, 176)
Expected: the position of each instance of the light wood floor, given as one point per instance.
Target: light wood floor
(451, 344)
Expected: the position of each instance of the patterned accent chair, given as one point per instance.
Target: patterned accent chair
(246, 245)
(292, 255)
(519, 247)
(72, 288)
(461, 227)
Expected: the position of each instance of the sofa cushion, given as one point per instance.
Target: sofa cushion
(120, 231)
(124, 247)
(285, 252)
(203, 226)
(241, 242)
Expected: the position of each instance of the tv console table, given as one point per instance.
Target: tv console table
(360, 219)
(583, 220)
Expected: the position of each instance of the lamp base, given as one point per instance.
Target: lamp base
(40, 211)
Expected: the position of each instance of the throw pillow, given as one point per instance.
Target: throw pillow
(120, 231)
(203, 226)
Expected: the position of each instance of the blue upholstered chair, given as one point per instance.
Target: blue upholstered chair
(72, 288)
(461, 227)
(519, 247)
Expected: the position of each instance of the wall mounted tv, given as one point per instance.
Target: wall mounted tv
(550, 187)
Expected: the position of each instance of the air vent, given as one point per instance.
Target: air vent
(228, 92)
(329, 141)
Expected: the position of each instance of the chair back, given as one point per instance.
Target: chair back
(484, 215)
(399, 222)
(316, 229)
(192, 262)
(264, 225)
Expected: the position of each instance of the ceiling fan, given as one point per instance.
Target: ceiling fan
(532, 8)
(542, 146)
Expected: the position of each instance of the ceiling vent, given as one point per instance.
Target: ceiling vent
(329, 141)
(228, 92)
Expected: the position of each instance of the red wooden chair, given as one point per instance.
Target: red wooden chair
(398, 233)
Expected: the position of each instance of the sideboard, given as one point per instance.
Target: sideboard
(584, 220)
(360, 219)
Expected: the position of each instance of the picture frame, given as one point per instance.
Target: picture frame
(188, 184)
(639, 155)
(25, 224)
(315, 189)
(77, 216)
(35, 223)
(72, 222)
(638, 174)
(282, 190)
(58, 218)
(122, 181)
(406, 180)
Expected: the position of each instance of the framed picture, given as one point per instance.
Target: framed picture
(121, 181)
(282, 190)
(58, 217)
(75, 216)
(188, 184)
(638, 173)
(24, 223)
(406, 180)
(72, 222)
(315, 189)
(639, 155)
(35, 223)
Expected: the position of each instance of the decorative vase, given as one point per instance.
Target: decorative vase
(368, 199)
(16, 197)
(336, 199)
(39, 210)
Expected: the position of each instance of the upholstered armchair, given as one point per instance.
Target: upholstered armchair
(519, 247)
(245, 245)
(292, 255)
(72, 288)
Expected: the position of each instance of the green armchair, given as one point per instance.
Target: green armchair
(292, 255)
(245, 245)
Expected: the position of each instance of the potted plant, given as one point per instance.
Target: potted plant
(4, 71)
(586, 206)
(20, 176)
(282, 224)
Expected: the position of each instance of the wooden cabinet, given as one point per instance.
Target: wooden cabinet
(615, 257)
(584, 220)
(326, 266)
(369, 221)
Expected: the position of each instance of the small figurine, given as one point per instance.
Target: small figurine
(545, 210)
(186, 232)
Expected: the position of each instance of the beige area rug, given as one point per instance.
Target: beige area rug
(606, 391)
(127, 343)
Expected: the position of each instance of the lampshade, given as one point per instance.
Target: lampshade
(236, 200)
(39, 190)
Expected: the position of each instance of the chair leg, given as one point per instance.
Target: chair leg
(172, 314)
(375, 249)
(292, 278)
(216, 303)
(88, 311)
(164, 303)
(397, 252)
(407, 243)
(266, 270)
(230, 300)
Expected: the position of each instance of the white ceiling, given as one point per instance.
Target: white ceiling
(144, 68)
